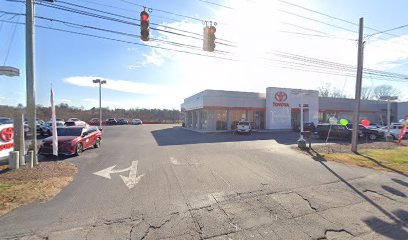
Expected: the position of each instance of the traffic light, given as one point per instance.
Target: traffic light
(211, 38)
(144, 26)
(205, 38)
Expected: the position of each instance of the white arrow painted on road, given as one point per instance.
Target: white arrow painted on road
(130, 181)
(108, 171)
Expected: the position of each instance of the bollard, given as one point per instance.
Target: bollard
(30, 156)
(13, 160)
(35, 162)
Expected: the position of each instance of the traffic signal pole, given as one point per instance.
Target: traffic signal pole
(359, 78)
(30, 76)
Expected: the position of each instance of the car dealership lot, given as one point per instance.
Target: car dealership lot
(162, 181)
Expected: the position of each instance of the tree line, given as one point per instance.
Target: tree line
(367, 93)
(65, 111)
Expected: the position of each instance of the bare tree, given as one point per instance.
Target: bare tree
(367, 93)
(385, 90)
(327, 90)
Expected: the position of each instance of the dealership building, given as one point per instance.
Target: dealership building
(278, 108)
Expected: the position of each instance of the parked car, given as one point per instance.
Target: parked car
(137, 121)
(46, 128)
(73, 140)
(111, 121)
(336, 131)
(94, 121)
(367, 132)
(75, 122)
(243, 127)
(395, 130)
(122, 121)
(5, 120)
(309, 127)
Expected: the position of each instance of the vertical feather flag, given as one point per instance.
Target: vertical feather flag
(54, 126)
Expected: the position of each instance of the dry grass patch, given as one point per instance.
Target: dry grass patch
(41, 183)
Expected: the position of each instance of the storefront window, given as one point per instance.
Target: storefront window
(204, 120)
(221, 119)
(236, 116)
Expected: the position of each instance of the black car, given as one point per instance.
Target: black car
(309, 127)
(336, 131)
(370, 133)
(111, 121)
(122, 121)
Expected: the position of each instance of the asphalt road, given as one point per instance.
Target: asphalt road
(171, 183)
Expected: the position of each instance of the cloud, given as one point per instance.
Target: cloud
(117, 85)
(63, 100)
(153, 58)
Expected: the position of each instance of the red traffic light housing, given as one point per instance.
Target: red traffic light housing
(211, 38)
(144, 26)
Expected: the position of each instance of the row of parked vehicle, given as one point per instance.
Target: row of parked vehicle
(114, 121)
(372, 132)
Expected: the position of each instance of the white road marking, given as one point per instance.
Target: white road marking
(130, 181)
(133, 179)
(174, 161)
(108, 171)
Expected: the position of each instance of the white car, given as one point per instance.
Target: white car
(137, 121)
(395, 130)
(243, 127)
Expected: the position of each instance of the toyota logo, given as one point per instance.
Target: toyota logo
(281, 96)
(6, 134)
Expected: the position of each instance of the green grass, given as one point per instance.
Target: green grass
(395, 159)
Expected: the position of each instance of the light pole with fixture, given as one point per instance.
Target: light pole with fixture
(388, 99)
(100, 98)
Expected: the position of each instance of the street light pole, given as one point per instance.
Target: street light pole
(388, 99)
(100, 82)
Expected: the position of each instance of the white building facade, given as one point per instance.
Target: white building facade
(277, 109)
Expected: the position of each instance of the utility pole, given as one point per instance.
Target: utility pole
(30, 76)
(359, 78)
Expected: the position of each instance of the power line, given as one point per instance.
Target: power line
(389, 30)
(217, 4)
(123, 41)
(128, 22)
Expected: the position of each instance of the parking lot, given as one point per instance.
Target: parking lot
(165, 182)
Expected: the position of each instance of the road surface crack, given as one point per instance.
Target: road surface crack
(155, 227)
(338, 231)
(307, 200)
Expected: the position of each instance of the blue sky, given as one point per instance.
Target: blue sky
(146, 77)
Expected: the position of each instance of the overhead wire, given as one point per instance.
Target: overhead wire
(123, 41)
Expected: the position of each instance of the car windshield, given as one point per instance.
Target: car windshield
(243, 123)
(69, 131)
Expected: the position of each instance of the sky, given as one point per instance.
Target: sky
(148, 77)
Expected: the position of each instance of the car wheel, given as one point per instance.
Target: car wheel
(97, 143)
(78, 149)
(372, 137)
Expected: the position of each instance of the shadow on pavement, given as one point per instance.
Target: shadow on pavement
(390, 230)
(181, 136)
(394, 191)
(393, 230)
(403, 183)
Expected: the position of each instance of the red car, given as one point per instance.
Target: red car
(73, 140)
